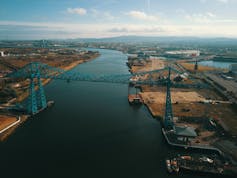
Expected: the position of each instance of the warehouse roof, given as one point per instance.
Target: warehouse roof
(185, 131)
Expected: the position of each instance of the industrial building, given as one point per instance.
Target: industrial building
(233, 68)
(183, 53)
(2, 53)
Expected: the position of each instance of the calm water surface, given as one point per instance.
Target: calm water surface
(217, 64)
(91, 131)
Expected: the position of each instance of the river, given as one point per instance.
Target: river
(217, 64)
(91, 131)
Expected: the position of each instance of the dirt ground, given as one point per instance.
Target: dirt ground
(178, 97)
(61, 58)
(8, 132)
(189, 103)
(190, 67)
(6, 121)
(152, 65)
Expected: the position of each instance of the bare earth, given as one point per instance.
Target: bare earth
(154, 64)
(190, 67)
(177, 96)
(6, 121)
(190, 103)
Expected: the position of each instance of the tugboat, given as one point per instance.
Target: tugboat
(50, 103)
(136, 98)
(172, 165)
(168, 166)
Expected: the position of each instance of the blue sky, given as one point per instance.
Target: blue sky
(50, 19)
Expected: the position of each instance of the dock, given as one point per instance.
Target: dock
(135, 99)
(200, 147)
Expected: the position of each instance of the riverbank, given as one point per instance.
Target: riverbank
(204, 110)
(6, 120)
(18, 120)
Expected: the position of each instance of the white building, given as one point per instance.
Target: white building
(233, 68)
(2, 53)
(186, 53)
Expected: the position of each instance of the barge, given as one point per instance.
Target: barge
(199, 163)
(135, 99)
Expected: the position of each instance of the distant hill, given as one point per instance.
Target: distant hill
(174, 39)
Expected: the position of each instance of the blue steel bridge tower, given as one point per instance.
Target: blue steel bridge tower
(168, 118)
(37, 98)
(32, 71)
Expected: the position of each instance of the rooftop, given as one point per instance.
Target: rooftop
(185, 131)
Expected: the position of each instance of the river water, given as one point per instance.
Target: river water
(216, 64)
(91, 131)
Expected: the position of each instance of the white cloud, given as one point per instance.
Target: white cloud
(139, 29)
(76, 30)
(79, 11)
(209, 14)
(207, 17)
(99, 15)
(142, 16)
(221, 1)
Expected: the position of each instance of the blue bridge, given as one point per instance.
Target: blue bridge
(37, 71)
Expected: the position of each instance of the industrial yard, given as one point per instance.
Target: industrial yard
(203, 118)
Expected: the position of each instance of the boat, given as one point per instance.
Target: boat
(172, 165)
(50, 103)
(195, 163)
(168, 166)
(135, 99)
(185, 157)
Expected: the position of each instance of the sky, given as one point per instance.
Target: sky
(68, 19)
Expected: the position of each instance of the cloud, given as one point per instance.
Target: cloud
(50, 30)
(101, 15)
(117, 29)
(207, 17)
(141, 16)
(79, 11)
(221, 1)
(131, 29)
(209, 14)
(174, 30)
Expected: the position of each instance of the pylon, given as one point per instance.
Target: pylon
(32, 103)
(168, 120)
(42, 103)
